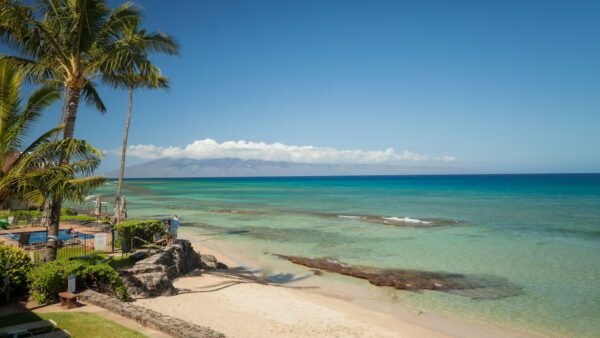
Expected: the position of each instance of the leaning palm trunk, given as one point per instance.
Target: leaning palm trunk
(124, 151)
(124, 145)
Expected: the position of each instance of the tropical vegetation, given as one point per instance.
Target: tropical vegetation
(47, 280)
(37, 173)
(69, 47)
(134, 71)
(17, 117)
(16, 266)
(144, 229)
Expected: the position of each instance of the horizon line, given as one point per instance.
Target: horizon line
(358, 175)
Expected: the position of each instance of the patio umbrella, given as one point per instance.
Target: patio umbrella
(122, 208)
(98, 208)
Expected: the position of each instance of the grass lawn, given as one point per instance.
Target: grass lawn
(79, 324)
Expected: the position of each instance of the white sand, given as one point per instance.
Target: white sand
(238, 304)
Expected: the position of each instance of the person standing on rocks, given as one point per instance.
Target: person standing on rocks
(173, 227)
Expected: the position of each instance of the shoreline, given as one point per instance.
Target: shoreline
(299, 307)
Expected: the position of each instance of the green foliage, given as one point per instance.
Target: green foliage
(80, 218)
(144, 229)
(48, 279)
(25, 214)
(15, 265)
(18, 114)
(68, 212)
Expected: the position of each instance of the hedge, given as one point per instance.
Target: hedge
(48, 279)
(144, 229)
(25, 214)
(28, 214)
(68, 212)
(82, 218)
(15, 266)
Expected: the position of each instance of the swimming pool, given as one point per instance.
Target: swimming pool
(40, 236)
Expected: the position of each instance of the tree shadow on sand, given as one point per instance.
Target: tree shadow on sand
(240, 275)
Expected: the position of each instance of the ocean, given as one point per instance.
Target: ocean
(537, 235)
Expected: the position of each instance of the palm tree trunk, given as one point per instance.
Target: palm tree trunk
(124, 145)
(52, 244)
(47, 214)
(124, 149)
(73, 94)
(71, 114)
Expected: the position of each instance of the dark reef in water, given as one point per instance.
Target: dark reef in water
(472, 286)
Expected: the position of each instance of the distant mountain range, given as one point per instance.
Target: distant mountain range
(232, 167)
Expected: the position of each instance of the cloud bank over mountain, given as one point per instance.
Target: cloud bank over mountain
(211, 149)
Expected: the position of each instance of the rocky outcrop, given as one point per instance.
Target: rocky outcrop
(172, 326)
(475, 287)
(153, 276)
(209, 262)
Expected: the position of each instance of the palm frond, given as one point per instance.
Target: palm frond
(92, 98)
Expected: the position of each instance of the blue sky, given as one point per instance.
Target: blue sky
(506, 85)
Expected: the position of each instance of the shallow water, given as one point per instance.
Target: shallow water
(539, 232)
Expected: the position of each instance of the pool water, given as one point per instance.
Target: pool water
(40, 236)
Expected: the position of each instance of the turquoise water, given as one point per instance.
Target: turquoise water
(538, 232)
(41, 236)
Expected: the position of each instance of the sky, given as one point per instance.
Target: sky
(508, 86)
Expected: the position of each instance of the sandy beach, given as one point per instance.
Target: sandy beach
(239, 304)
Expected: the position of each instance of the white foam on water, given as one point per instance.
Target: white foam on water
(349, 216)
(406, 220)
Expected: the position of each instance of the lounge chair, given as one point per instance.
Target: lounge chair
(24, 240)
(29, 329)
(36, 221)
(12, 221)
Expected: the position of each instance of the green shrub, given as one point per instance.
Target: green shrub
(48, 279)
(15, 264)
(144, 229)
(80, 218)
(68, 212)
(83, 218)
(25, 214)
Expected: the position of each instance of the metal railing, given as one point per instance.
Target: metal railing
(82, 245)
(148, 244)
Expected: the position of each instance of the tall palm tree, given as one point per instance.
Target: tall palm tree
(67, 43)
(42, 176)
(34, 172)
(134, 70)
(17, 118)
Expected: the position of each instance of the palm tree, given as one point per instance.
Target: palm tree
(134, 70)
(42, 176)
(35, 172)
(16, 118)
(66, 43)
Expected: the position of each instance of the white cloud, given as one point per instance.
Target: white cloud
(210, 149)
